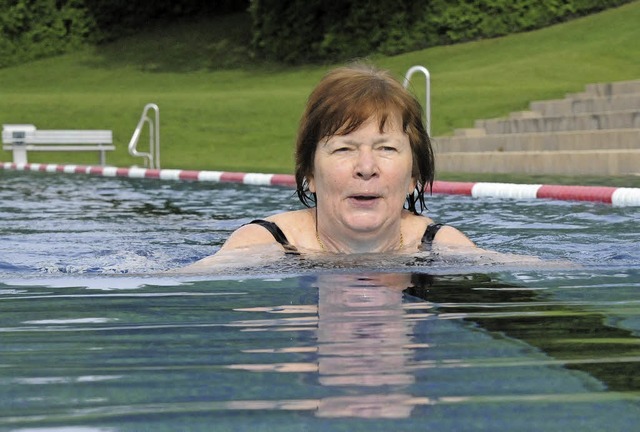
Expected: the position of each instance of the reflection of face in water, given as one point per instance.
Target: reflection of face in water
(363, 342)
(382, 337)
(367, 339)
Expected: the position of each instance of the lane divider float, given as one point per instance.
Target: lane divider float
(616, 196)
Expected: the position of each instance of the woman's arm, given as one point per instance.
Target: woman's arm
(451, 237)
(249, 245)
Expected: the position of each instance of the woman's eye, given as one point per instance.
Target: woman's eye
(388, 148)
(341, 149)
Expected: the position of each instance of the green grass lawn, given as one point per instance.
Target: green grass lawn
(221, 111)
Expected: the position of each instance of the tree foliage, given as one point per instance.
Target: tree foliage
(31, 29)
(288, 31)
(300, 31)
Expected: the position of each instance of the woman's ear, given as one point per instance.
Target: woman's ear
(311, 183)
(412, 186)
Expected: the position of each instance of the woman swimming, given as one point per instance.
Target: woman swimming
(363, 163)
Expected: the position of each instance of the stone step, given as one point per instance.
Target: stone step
(573, 106)
(470, 132)
(613, 89)
(593, 121)
(567, 163)
(550, 141)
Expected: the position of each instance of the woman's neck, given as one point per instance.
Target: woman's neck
(336, 240)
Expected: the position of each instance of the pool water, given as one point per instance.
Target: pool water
(95, 336)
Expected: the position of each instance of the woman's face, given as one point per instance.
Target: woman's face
(361, 179)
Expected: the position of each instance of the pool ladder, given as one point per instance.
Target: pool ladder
(427, 98)
(151, 158)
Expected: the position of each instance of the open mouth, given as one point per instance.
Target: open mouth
(364, 200)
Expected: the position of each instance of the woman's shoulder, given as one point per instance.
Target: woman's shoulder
(294, 217)
(298, 226)
(266, 230)
(438, 232)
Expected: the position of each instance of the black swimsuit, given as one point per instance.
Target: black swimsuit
(278, 235)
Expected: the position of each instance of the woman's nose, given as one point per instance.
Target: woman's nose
(366, 165)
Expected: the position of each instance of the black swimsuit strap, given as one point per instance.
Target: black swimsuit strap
(277, 234)
(430, 234)
(274, 229)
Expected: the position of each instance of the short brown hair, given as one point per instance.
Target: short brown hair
(345, 99)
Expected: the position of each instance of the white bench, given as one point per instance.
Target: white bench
(24, 138)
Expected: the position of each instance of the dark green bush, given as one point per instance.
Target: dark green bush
(300, 31)
(289, 31)
(31, 29)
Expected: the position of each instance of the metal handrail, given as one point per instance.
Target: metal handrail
(152, 158)
(427, 103)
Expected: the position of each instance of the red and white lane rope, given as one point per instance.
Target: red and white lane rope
(616, 196)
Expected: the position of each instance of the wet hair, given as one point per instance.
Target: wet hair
(342, 102)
